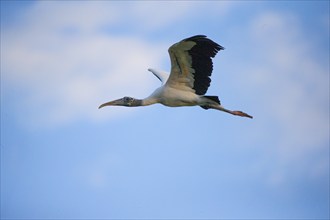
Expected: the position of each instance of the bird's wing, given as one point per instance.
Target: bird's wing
(161, 75)
(192, 64)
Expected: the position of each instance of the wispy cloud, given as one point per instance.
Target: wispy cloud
(68, 67)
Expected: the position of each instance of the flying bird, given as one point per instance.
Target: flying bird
(189, 80)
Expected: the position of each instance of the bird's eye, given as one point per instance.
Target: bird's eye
(127, 100)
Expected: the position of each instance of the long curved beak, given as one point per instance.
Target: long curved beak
(112, 103)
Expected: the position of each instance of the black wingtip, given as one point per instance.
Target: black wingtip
(205, 42)
(202, 53)
(196, 37)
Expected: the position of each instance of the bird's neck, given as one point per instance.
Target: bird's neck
(143, 102)
(148, 101)
(136, 103)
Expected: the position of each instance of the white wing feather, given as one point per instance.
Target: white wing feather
(161, 75)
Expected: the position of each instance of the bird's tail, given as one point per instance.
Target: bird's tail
(212, 98)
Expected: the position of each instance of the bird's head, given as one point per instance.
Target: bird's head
(126, 101)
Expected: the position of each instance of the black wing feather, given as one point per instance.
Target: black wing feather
(201, 55)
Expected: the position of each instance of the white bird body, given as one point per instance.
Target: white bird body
(172, 97)
(191, 68)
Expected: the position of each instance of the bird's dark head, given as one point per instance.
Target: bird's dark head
(126, 101)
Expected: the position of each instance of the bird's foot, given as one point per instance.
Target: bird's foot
(242, 114)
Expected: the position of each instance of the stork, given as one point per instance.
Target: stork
(186, 85)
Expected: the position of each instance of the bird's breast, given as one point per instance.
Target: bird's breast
(174, 98)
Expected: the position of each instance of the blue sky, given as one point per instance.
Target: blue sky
(61, 157)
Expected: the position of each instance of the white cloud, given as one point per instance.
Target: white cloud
(66, 76)
(72, 81)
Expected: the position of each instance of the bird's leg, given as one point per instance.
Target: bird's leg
(237, 113)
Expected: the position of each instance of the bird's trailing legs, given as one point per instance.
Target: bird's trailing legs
(237, 113)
